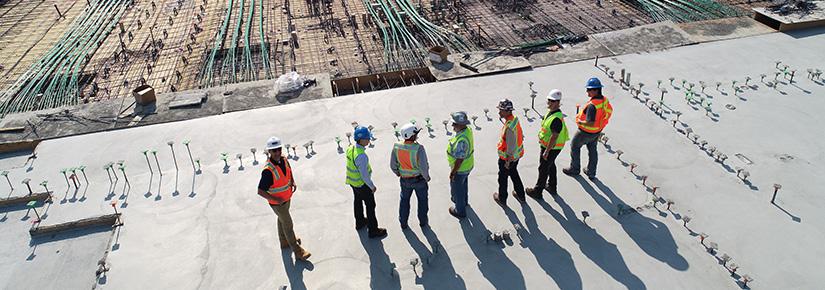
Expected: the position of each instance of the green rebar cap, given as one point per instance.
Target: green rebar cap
(32, 204)
(185, 142)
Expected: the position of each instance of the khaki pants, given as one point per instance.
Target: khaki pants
(285, 232)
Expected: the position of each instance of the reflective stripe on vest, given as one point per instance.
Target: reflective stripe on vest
(515, 125)
(281, 188)
(545, 133)
(604, 110)
(353, 175)
(407, 155)
(467, 164)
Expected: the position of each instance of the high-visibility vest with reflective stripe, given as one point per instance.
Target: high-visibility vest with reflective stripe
(407, 155)
(512, 124)
(353, 175)
(467, 164)
(545, 133)
(603, 113)
(281, 188)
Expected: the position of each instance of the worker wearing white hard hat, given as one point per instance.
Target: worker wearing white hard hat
(277, 185)
(409, 162)
(552, 136)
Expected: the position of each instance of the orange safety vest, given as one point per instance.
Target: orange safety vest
(407, 155)
(513, 124)
(603, 113)
(281, 188)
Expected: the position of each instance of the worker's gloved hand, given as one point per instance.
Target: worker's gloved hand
(294, 188)
(428, 179)
(452, 175)
(374, 189)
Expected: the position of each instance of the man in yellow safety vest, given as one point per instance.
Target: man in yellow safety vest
(460, 158)
(359, 177)
(552, 136)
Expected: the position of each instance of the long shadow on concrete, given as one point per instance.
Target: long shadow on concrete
(492, 262)
(295, 270)
(603, 253)
(552, 258)
(382, 274)
(652, 236)
(437, 268)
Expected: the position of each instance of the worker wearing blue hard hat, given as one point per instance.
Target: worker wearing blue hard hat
(359, 177)
(591, 121)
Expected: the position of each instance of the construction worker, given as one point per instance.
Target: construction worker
(510, 150)
(460, 158)
(409, 162)
(277, 185)
(591, 121)
(552, 136)
(359, 173)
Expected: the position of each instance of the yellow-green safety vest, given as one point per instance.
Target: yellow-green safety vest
(467, 164)
(545, 133)
(353, 175)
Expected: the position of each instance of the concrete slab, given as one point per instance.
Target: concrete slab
(580, 51)
(480, 63)
(644, 38)
(726, 28)
(210, 230)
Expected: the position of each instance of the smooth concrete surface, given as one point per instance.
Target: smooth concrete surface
(210, 230)
(726, 28)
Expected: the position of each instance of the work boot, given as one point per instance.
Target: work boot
(360, 226)
(301, 254)
(533, 192)
(570, 172)
(519, 197)
(285, 244)
(498, 199)
(454, 213)
(404, 226)
(552, 191)
(378, 233)
(591, 176)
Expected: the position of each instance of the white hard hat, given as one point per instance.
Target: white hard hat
(273, 143)
(554, 95)
(409, 130)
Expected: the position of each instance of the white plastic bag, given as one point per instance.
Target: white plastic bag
(288, 82)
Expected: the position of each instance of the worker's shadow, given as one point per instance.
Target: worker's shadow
(494, 265)
(652, 236)
(295, 270)
(603, 253)
(382, 273)
(552, 258)
(437, 271)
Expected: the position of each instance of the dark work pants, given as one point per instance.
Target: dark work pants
(512, 173)
(364, 198)
(547, 171)
(584, 139)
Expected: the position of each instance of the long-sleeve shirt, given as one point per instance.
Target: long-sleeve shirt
(423, 165)
(362, 163)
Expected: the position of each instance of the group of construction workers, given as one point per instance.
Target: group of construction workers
(409, 162)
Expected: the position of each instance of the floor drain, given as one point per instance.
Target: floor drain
(743, 158)
(730, 107)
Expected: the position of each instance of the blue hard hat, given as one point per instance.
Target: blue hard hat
(361, 132)
(594, 83)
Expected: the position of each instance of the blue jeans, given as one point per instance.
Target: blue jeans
(458, 192)
(408, 185)
(590, 140)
